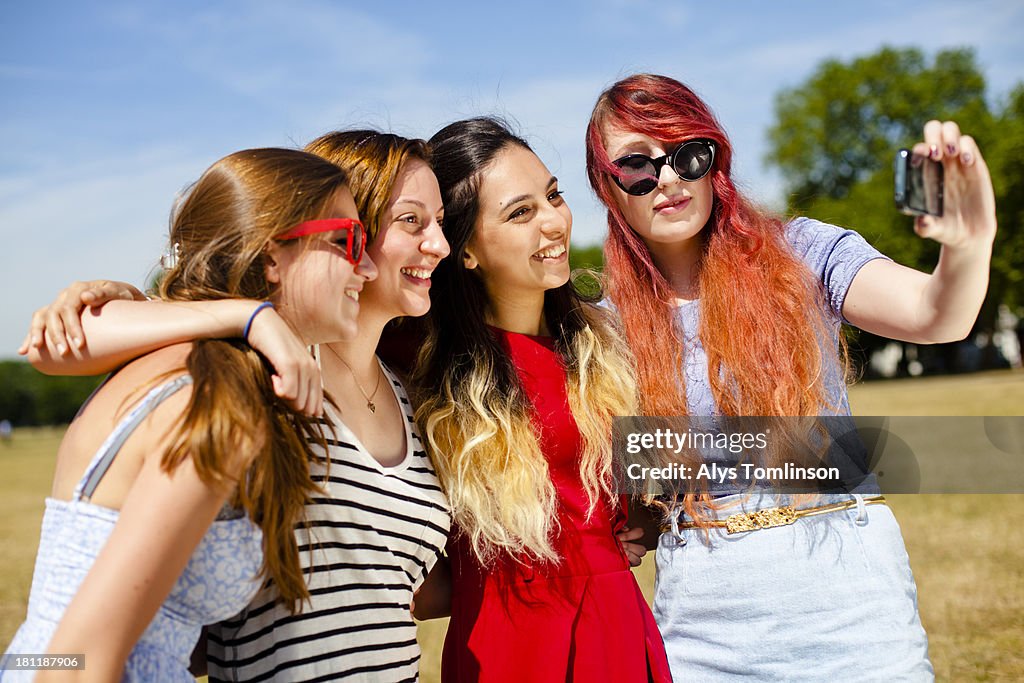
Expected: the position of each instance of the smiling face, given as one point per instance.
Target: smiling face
(408, 246)
(676, 210)
(318, 289)
(520, 244)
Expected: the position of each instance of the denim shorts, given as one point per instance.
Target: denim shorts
(828, 598)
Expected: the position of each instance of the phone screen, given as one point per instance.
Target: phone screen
(918, 184)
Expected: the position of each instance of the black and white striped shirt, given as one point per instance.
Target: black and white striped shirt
(370, 544)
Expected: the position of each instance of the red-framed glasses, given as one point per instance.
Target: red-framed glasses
(355, 234)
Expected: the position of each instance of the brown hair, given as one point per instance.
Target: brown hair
(373, 162)
(234, 422)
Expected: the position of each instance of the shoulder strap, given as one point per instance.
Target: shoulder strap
(105, 455)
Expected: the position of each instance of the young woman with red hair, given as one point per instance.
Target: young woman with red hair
(731, 311)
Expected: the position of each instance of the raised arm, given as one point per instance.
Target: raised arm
(122, 330)
(894, 301)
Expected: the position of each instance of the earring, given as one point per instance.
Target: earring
(169, 259)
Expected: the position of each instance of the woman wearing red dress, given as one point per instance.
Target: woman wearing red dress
(518, 382)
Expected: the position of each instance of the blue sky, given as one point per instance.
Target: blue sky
(108, 109)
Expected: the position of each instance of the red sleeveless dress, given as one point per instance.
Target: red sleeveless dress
(583, 619)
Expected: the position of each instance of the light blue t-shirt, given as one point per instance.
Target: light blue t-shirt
(834, 255)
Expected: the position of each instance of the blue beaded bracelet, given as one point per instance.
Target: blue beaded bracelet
(248, 325)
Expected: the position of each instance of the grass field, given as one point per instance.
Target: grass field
(967, 551)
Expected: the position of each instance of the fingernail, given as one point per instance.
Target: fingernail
(77, 342)
(951, 150)
(61, 349)
(933, 152)
(968, 158)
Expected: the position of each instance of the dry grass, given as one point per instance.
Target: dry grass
(26, 472)
(967, 551)
(985, 393)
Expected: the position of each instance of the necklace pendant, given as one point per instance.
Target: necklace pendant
(371, 406)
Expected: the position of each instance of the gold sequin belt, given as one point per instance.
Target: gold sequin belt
(773, 517)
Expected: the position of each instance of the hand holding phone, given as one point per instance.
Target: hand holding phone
(918, 184)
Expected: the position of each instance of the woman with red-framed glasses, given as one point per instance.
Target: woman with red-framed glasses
(731, 311)
(180, 481)
(375, 532)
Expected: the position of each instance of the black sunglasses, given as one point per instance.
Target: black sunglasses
(638, 173)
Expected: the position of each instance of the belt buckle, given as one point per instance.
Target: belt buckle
(760, 519)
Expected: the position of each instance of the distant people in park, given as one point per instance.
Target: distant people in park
(732, 311)
(1005, 336)
(180, 483)
(6, 431)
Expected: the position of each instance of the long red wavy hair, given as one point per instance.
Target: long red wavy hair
(763, 322)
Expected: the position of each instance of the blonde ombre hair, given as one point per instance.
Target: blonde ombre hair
(474, 412)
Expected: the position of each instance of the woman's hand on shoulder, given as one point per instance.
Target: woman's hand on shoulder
(969, 204)
(124, 331)
(296, 376)
(59, 324)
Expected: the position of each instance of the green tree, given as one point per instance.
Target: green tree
(29, 398)
(586, 263)
(835, 136)
(586, 257)
(1005, 156)
(843, 124)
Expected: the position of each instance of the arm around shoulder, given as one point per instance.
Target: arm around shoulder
(433, 599)
(122, 330)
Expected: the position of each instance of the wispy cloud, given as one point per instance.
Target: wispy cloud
(109, 110)
(274, 48)
(103, 220)
(658, 16)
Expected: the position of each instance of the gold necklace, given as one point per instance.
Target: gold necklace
(370, 405)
